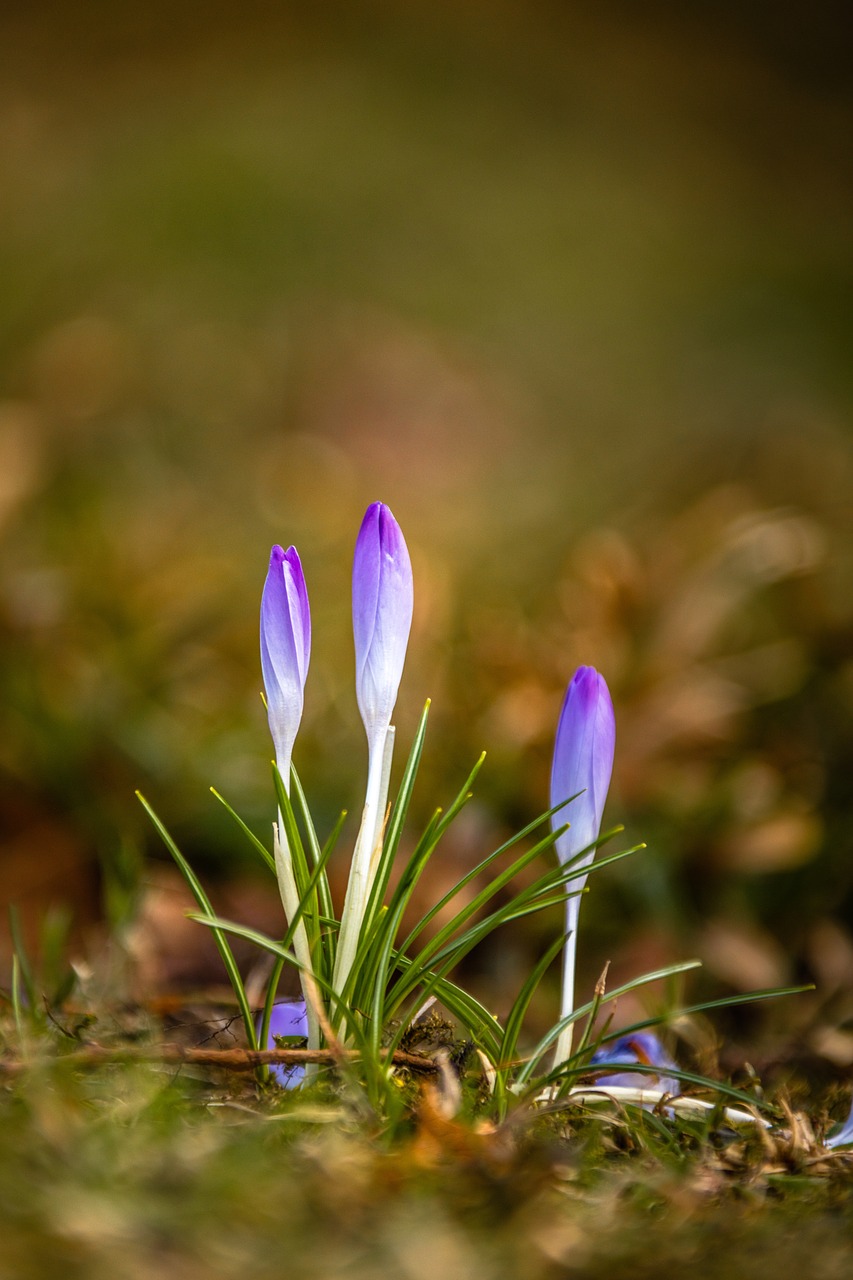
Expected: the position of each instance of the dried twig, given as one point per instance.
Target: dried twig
(95, 1055)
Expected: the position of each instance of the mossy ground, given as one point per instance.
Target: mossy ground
(132, 1170)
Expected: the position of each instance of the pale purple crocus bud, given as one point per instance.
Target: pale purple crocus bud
(285, 650)
(382, 600)
(285, 653)
(583, 763)
(287, 1018)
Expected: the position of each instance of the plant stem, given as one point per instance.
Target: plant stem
(563, 1047)
(358, 886)
(379, 825)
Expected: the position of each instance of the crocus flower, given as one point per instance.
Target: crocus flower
(288, 1018)
(382, 598)
(285, 650)
(641, 1047)
(285, 653)
(583, 762)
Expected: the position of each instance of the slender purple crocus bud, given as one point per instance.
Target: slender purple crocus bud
(285, 650)
(583, 763)
(382, 599)
(287, 1018)
(285, 653)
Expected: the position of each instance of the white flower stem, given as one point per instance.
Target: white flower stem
(567, 999)
(382, 804)
(369, 833)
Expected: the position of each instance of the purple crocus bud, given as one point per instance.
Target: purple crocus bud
(641, 1047)
(382, 599)
(583, 762)
(288, 1018)
(285, 650)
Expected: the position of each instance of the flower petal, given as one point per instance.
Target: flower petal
(583, 760)
(640, 1047)
(288, 1018)
(285, 647)
(300, 612)
(382, 603)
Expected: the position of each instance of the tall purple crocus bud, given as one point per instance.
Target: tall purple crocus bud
(285, 650)
(382, 599)
(583, 763)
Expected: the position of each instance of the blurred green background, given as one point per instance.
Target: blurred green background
(569, 287)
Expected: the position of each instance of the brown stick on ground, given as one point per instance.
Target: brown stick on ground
(95, 1055)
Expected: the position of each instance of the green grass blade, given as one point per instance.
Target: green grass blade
(327, 920)
(430, 983)
(307, 821)
(307, 900)
(203, 901)
(724, 1002)
(373, 960)
(483, 866)
(17, 1006)
(376, 977)
(436, 827)
(536, 897)
(553, 1035)
(323, 892)
(291, 834)
(25, 971)
(380, 1087)
(557, 875)
(453, 952)
(515, 1019)
(307, 909)
(355, 991)
(483, 1027)
(597, 997)
(256, 844)
(428, 952)
(331, 844)
(216, 924)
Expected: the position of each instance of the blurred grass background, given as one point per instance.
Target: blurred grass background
(569, 287)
